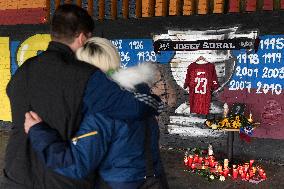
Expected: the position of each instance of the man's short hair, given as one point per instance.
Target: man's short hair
(69, 21)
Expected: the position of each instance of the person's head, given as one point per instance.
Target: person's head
(71, 25)
(101, 53)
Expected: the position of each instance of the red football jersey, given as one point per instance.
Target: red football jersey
(201, 79)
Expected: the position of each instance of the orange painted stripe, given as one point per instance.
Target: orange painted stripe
(91, 7)
(101, 9)
(125, 8)
(175, 7)
(188, 7)
(57, 3)
(67, 1)
(218, 6)
(202, 7)
(148, 8)
(113, 9)
(21, 4)
(161, 8)
(47, 10)
(138, 8)
(79, 3)
(23, 16)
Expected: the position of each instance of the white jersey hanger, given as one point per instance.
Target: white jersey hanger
(201, 60)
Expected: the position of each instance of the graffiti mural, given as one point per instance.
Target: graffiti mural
(224, 61)
(246, 76)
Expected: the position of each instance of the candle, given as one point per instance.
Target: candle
(254, 170)
(220, 170)
(260, 172)
(247, 176)
(264, 176)
(243, 175)
(211, 157)
(185, 161)
(190, 159)
(206, 161)
(211, 163)
(193, 166)
(251, 174)
(200, 160)
(226, 110)
(226, 163)
(195, 159)
(226, 172)
(210, 150)
(235, 173)
(251, 162)
(250, 117)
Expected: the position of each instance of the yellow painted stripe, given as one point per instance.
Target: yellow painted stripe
(5, 75)
(22, 4)
(83, 136)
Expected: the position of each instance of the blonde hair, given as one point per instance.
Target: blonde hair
(101, 53)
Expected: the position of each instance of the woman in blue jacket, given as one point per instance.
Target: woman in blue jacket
(115, 149)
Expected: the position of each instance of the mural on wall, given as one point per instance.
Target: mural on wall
(255, 79)
(184, 122)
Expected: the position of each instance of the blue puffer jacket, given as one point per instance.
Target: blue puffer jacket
(113, 147)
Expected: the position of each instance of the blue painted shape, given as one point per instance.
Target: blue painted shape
(14, 45)
(134, 51)
(266, 67)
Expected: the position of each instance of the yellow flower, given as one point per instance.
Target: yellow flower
(212, 177)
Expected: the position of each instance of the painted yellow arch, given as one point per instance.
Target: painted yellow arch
(5, 73)
(31, 46)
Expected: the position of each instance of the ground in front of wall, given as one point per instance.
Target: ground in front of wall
(179, 179)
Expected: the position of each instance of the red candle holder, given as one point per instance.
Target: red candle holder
(247, 176)
(193, 166)
(264, 176)
(212, 163)
(206, 161)
(235, 173)
(190, 159)
(243, 175)
(195, 158)
(185, 161)
(260, 172)
(225, 172)
(200, 160)
(251, 173)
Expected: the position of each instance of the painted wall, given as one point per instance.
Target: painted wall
(134, 39)
(247, 79)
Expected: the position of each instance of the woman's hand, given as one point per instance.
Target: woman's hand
(31, 119)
